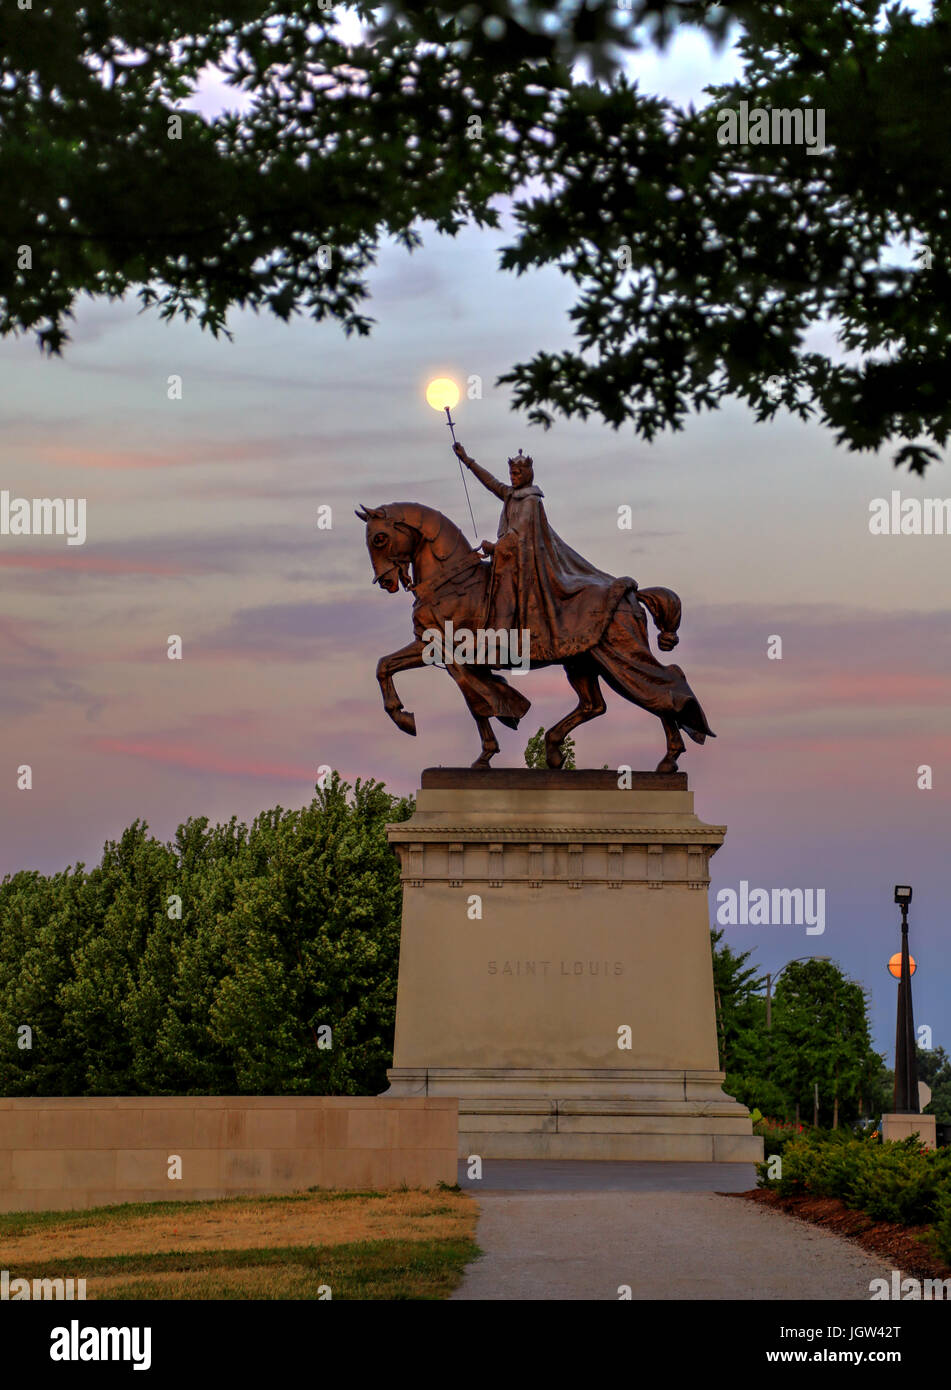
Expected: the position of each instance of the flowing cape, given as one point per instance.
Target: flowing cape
(563, 601)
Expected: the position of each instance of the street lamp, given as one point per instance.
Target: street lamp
(906, 1062)
(894, 965)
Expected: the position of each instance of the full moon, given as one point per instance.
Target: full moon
(442, 392)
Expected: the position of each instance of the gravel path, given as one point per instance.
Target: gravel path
(664, 1244)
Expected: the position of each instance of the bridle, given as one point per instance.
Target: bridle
(401, 566)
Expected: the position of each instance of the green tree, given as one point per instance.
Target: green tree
(741, 1030)
(43, 922)
(820, 1037)
(535, 751)
(701, 267)
(126, 893)
(314, 942)
(934, 1068)
(213, 964)
(740, 1012)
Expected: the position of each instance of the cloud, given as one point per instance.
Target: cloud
(224, 448)
(28, 687)
(407, 282)
(204, 759)
(75, 560)
(832, 641)
(16, 635)
(300, 631)
(267, 552)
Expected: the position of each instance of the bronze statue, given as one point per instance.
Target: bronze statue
(534, 585)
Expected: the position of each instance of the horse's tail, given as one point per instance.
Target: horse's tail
(664, 607)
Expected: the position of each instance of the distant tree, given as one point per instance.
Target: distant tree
(535, 751)
(221, 963)
(758, 1093)
(934, 1068)
(820, 1036)
(740, 1012)
(313, 942)
(43, 923)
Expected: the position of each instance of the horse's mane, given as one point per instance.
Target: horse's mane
(442, 533)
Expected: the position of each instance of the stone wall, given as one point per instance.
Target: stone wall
(66, 1153)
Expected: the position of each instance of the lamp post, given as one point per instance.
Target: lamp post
(906, 1061)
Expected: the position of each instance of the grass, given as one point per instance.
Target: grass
(362, 1245)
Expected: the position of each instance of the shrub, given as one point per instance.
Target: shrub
(942, 1225)
(899, 1182)
(776, 1134)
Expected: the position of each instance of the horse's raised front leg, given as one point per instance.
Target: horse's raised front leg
(408, 658)
(675, 745)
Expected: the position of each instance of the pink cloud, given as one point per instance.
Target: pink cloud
(825, 688)
(206, 760)
(103, 458)
(182, 453)
(90, 564)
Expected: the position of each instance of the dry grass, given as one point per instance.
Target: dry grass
(245, 1223)
(362, 1245)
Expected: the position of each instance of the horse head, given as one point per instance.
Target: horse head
(397, 533)
(392, 546)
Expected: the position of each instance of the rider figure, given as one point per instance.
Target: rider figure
(518, 500)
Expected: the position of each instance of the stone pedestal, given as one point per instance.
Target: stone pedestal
(555, 969)
(903, 1126)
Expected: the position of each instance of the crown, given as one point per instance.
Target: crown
(523, 458)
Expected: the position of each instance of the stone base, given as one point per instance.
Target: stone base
(902, 1126)
(555, 967)
(599, 1114)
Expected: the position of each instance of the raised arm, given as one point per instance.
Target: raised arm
(487, 480)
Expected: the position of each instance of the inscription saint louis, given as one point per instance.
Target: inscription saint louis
(566, 967)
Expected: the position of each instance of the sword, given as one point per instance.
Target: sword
(462, 471)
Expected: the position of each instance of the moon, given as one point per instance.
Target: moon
(442, 391)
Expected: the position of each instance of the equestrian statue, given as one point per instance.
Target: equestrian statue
(527, 583)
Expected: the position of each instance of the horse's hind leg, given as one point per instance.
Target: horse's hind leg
(490, 744)
(583, 679)
(675, 745)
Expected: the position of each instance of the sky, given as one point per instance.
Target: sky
(202, 523)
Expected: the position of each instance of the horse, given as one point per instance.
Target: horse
(424, 551)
